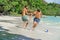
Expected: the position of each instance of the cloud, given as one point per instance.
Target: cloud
(57, 1)
(51, 1)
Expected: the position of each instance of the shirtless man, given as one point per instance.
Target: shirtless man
(37, 17)
(24, 16)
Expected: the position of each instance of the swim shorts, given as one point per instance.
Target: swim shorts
(25, 18)
(36, 20)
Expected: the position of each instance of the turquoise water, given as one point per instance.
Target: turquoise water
(51, 19)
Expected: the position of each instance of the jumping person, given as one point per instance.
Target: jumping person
(24, 16)
(37, 17)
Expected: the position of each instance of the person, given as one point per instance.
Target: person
(24, 16)
(30, 15)
(37, 17)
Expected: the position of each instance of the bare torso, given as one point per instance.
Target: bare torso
(38, 15)
(24, 11)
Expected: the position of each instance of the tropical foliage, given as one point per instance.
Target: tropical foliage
(15, 6)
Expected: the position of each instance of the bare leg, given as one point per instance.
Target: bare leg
(34, 25)
(25, 24)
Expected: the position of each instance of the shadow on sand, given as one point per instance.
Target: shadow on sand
(4, 35)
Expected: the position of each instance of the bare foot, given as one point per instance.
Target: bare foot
(24, 27)
(31, 30)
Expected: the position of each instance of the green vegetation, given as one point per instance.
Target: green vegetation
(14, 14)
(17, 5)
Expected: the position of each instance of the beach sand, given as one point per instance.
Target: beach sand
(10, 23)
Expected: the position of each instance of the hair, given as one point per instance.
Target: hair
(38, 10)
(25, 6)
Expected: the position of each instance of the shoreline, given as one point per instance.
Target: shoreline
(38, 33)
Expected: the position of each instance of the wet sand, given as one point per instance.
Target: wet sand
(10, 23)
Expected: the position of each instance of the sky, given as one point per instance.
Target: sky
(51, 1)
